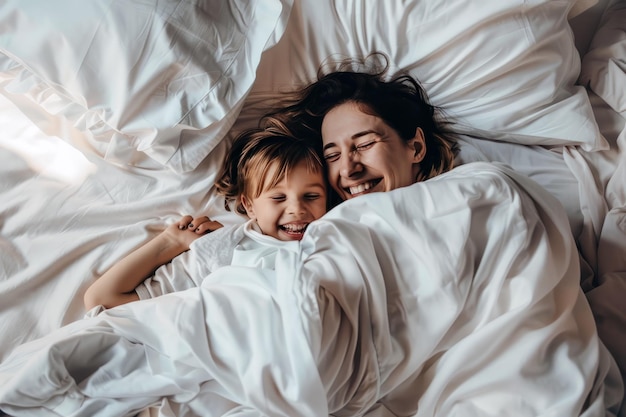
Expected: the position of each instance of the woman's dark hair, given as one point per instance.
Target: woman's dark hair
(400, 102)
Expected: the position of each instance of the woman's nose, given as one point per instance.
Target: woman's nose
(349, 164)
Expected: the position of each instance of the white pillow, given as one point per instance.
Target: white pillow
(604, 65)
(166, 78)
(505, 70)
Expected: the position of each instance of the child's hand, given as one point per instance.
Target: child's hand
(199, 225)
(188, 229)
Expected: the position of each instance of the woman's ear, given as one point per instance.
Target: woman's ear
(418, 145)
(248, 206)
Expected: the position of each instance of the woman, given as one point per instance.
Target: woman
(375, 135)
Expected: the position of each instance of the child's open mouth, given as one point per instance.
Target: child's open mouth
(295, 230)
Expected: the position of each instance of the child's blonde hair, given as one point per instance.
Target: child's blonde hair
(253, 153)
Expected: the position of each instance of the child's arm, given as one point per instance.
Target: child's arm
(117, 285)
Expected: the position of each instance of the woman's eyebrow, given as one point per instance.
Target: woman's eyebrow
(329, 145)
(363, 133)
(353, 137)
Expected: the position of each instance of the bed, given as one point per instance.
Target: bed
(116, 116)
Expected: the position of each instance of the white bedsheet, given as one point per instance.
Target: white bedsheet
(67, 215)
(455, 297)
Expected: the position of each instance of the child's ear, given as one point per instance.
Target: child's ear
(248, 206)
(418, 145)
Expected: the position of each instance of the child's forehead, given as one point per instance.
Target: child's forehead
(277, 172)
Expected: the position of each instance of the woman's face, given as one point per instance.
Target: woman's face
(365, 155)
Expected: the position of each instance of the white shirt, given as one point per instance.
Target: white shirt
(240, 245)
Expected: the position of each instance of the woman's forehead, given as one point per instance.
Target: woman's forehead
(348, 121)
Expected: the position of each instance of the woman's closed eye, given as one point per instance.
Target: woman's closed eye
(333, 156)
(365, 145)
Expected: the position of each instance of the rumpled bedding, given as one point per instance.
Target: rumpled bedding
(604, 72)
(458, 296)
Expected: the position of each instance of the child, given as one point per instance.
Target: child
(274, 179)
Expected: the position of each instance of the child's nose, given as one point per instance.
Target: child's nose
(296, 206)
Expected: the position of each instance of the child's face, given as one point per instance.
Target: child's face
(285, 211)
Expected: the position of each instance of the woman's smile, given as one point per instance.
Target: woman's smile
(363, 188)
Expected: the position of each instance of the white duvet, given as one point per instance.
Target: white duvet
(455, 297)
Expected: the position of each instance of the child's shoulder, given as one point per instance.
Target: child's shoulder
(224, 237)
